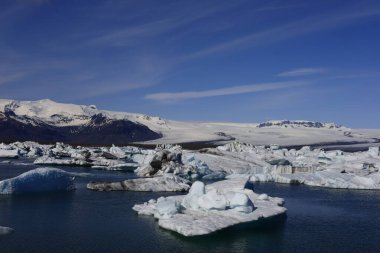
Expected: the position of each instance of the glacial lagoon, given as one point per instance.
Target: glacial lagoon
(318, 220)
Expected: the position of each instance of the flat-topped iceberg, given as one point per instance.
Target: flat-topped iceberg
(165, 183)
(38, 180)
(9, 153)
(206, 209)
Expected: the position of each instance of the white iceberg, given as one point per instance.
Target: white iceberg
(5, 231)
(38, 180)
(168, 159)
(374, 151)
(118, 152)
(166, 208)
(9, 153)
(314, 167)
(210, 208)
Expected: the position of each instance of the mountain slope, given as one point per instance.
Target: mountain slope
(48, 121)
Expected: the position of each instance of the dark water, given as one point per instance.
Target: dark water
(319, 220)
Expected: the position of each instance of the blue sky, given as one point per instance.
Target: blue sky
(243, 60)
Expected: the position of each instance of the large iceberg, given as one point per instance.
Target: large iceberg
(38, 180)
(168, 159)
(206, 209)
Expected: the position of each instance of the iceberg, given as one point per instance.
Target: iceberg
(168, 159)
(118, 152)
(46, 160)
(165, 183)
(314, 167)
(210, 208)
(5, 231)
(374, 151)
(9, 153)
(38, 180)
(99, 158)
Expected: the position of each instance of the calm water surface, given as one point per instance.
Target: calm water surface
(319, 220)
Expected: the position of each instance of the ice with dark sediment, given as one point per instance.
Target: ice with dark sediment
(165, 183)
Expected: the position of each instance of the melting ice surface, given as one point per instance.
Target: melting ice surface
(319, 220)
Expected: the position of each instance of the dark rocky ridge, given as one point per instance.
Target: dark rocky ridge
(99, 131)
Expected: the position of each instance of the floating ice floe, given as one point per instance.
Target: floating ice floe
(38, 180)
(334, 169)
(46, 160)
(207, 209)
(165, 183)
(113, 158)
(22, 149)
(5, 231)
(9, 153)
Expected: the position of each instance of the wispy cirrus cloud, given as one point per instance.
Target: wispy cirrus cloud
(243, 89)
(103, 88)
(36, 2)
(302, 72)
(290, 30)
(175, 19)
(6, 78)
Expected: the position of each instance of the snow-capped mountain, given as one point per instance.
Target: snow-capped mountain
(49, 121)
(298, 123)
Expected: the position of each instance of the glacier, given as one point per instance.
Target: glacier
(80, 124)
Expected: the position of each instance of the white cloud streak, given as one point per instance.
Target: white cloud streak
(135, 34)
(243, 89)
(11, 77)
(302, 72)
